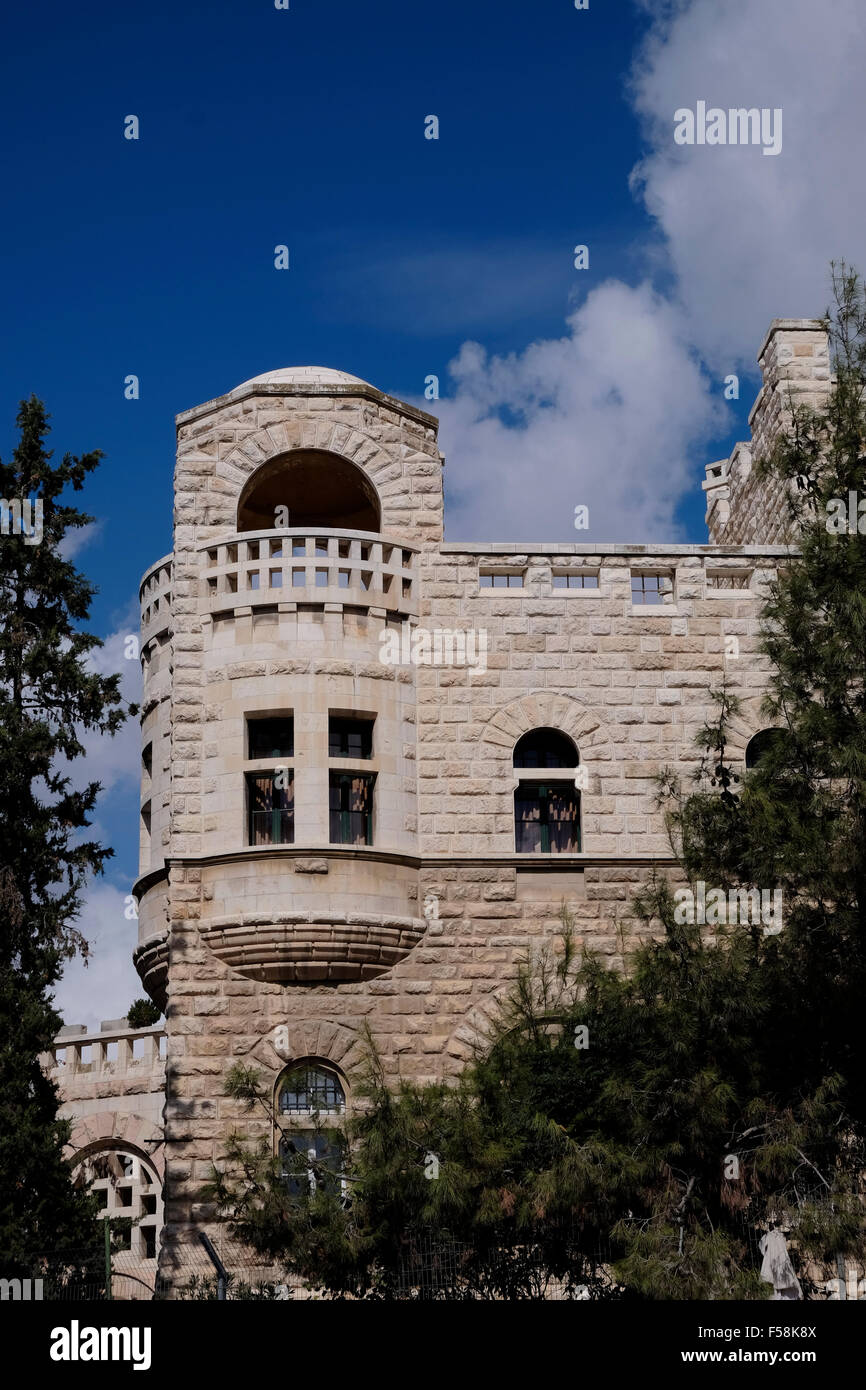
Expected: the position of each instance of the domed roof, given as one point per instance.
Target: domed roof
(305, 376)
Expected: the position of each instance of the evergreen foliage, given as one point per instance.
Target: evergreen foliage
(49, 697)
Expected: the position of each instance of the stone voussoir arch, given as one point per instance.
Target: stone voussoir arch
(745, 725)
(551, 710)
(333, 437)
(321, 1039)
(476, 1029)
(117, 1129)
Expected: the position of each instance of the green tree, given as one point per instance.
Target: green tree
(143, 1013)
(49, 698)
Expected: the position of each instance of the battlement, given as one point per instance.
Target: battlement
(795, 366)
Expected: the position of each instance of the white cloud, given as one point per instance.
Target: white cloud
(117, 760)
(616, 413)
(749, 237)
(106, 986)
(78, 539)
(604, 417)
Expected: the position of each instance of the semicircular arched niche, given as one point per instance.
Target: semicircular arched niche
(743, 727)
(303, 434)
(317, 489)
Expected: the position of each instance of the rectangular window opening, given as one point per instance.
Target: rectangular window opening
(271, 802)
(501, 579)
(547, 818)
(351, 808)
(271, 738)
(651, 588)
(350, 738)
(571, 580)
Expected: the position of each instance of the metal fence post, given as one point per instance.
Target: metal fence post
(222, 1276)
(107, 1223)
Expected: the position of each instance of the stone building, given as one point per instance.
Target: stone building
(376, 763)
(112, 1085)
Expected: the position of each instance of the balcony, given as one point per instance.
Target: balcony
(309, 947)
(154, 596)
(357, 569)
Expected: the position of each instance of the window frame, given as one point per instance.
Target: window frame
(252, 719)
(299, 1124)
(547, 781)
(593, 587)
(546, 790)
(365, 724)
(345, 776)
(250, 775)
(491, 574)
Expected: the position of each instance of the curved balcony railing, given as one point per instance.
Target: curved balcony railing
(154, 595)
(300, 565)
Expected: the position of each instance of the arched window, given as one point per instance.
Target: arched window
(546, 810)
(317, 489)
(761, 744)
(545, 748)
(310, 1099)
(125, 1185)
(308, 1089)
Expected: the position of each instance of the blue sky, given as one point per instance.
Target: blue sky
(306, 127)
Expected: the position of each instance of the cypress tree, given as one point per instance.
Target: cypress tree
(49, 698)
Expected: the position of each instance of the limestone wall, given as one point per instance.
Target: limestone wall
(795, 368)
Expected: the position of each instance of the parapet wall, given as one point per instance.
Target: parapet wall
(795, 367)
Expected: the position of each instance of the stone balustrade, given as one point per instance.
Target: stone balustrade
(116, 1050)
(359, 569)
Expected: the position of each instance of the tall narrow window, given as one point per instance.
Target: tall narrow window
(546, 807)
(351, 808)
(310, 1154)
(271, 800)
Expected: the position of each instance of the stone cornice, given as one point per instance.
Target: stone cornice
(331, 389)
